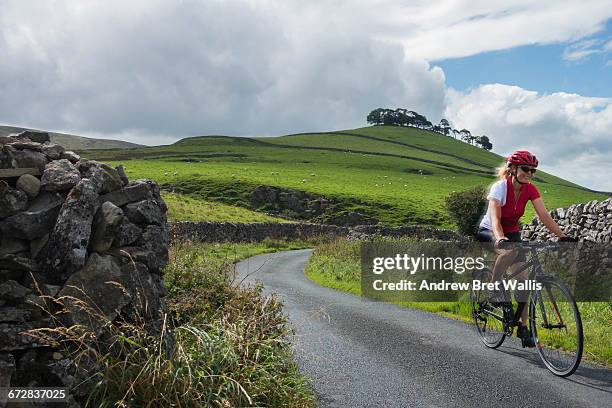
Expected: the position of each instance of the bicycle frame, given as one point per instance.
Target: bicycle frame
(536, 272)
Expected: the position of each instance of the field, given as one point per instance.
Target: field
(393, 175)
(185, 208)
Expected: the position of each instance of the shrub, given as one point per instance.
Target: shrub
(465, 209)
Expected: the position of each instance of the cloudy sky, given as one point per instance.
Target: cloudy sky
(529, 74)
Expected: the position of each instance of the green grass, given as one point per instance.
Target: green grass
(393, 175)
(337, 265)
(185, 208)
(231, 344)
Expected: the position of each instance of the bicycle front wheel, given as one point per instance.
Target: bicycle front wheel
(487, 317)
(555, 323)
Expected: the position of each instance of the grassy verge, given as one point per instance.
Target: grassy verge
(199, 277)
(185, 208)
(247, 359)
(229, 344)
(337, 265)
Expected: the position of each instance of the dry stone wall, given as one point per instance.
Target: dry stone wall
(69, 227)
(588, 264)
(256, 232)
(299, 204)
(590, 221)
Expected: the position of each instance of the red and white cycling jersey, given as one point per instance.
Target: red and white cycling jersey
(512, 208)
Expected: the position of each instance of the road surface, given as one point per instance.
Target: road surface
(360, 353)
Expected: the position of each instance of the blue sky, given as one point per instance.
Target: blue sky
(541, 68)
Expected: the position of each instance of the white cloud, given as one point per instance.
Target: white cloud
(452, 29)
(576, 55)
(569, 133)
(582, 49)
(188, 68)
(154, 71)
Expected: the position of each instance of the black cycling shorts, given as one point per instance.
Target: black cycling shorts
(486, 235)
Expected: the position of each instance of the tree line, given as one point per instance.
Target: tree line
(404, 117)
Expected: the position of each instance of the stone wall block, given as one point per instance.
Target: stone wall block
(12, 291)
(7, 370)
(17, 262)
(70, 156)
(35, 136)
(145, 212)
(105, 227)
(37, 221)
(11, 200)
(60, 175)
(133, 192)
(127, 233)
(53, 151)
(122, 175)
(66, 251)
(29, 185)
(9, 245)
(91, 284)
(26, 144)
(5, 159)
(150, 250)
(105, 177)
(26, 158)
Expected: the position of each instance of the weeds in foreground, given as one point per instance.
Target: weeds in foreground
(228, 348)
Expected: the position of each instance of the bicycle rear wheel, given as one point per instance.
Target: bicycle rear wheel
(487, 317)
(556, 325)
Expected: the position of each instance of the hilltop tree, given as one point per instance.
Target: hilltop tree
(466, 136)
(375, 117)
(403, 117)
(445, 127)
(484, 142)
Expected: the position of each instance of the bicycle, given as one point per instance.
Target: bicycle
(554, 318)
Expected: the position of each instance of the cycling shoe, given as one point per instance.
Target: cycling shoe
(526, 336)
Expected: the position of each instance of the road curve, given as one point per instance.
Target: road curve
(360, 353)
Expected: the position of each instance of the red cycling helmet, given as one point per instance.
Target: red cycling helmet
(523, 158)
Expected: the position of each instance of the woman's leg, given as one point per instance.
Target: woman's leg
(505, 258)
(520, 295)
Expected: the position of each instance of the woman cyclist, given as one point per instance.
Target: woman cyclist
(507, 200)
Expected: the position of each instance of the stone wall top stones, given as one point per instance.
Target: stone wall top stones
(590, 221)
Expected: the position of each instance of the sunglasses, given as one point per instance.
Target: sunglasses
(526, 169)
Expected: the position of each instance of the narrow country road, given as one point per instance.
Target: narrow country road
(360, 353)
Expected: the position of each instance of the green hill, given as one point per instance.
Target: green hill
(73, 142)
(390, 174)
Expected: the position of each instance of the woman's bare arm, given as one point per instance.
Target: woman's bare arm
(495, 211)
(544, 216)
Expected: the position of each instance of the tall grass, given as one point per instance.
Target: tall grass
(221, 344)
